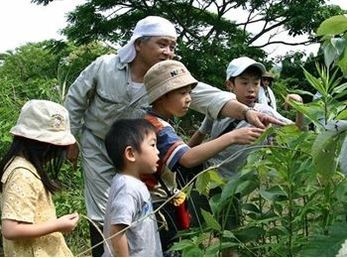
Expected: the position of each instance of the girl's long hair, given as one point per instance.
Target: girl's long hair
(45, 157)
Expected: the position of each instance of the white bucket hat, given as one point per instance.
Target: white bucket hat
(166, 76)
(239, 65)
(149, 26)
(44, 121)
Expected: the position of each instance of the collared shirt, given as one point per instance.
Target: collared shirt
(25, 199)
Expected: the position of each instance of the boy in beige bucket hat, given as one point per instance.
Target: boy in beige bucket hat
(29, 172)
(169, 85)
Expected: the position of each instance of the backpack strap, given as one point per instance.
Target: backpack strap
(230, 127)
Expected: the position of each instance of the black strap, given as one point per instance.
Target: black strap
(230, 127)
(161, 181)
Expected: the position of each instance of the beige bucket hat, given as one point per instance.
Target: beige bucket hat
(44, 121)
(166, 76)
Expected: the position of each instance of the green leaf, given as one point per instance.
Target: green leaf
(315, 83)
(246, 234)
(330, 54)
(342, 115)
(250, 207)
(333, 26)
(324, 152)
(215, 177)
(343, 63)
(210, 220)
(274, 193)
(301, 92)
(193, 252)
(340, 88)
(246, 187)
(204, 181)
(203, 184)
(181, 245)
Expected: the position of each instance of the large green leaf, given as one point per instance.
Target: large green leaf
(324, 152)
(333, 26)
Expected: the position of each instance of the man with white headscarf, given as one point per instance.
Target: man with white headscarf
(111, 88)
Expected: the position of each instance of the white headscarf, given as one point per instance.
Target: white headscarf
(149, 26)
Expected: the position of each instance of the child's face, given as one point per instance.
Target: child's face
(245, 87)
(266, 81)
(176, 102)
(148, 157)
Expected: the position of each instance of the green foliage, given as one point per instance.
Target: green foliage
(70, 200)
(293, 196)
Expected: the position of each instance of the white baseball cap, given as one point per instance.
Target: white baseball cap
(149, 26)
(239, 65)
(44, 121)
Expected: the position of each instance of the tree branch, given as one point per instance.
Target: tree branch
(262, 32)
(305, 43)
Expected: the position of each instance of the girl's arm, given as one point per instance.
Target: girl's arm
(16, 230)
(204, 151)
(120, 241)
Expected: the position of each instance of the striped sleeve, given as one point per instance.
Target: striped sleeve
(170, 146)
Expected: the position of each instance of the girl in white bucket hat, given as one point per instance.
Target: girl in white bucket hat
(29, 173)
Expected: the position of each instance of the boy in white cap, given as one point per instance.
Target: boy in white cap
(112, 88)
(169, 85)
(243, 77)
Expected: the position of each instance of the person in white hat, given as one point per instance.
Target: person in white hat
(243, 78)
(29, 175)
(112, 88)
(265, 94)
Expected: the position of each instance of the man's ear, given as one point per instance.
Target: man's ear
(229, 85)
(137, 44)
(129, 154)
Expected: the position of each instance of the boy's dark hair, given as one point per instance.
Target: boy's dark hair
(124, 133)
(45, 157)
(251, 70)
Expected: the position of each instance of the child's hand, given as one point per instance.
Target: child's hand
(68, 222)
(246, 135)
